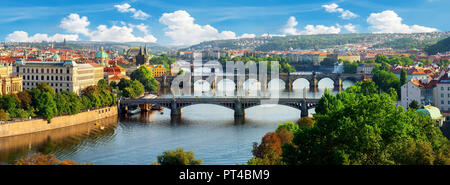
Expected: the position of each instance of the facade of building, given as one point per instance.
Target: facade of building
(9, 83)
(61, 76)
(114, 73)
(158, 69)
(441, 93)
(419, 90)
(365, 68)
(142, 57)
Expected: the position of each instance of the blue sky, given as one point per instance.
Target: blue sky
(181, 22)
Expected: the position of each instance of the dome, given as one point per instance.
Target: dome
(56, 57)
(101, 54)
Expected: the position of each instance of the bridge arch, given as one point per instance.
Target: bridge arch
(276, 84)
(202, 85)
(300, 84)
(325, 82)
(226, 85)
(251, 85)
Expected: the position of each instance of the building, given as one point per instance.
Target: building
(419, 90)
(142, 57)
(9, 83)
(158, 69)
(61, 76)
(433, 112)
(365, 68)
(441, 93)
(101, 57)
(114, 73)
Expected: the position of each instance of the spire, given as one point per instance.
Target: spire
(140, 51)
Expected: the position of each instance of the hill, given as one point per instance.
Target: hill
(440, 47)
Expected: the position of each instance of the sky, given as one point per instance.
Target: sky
(182, 22)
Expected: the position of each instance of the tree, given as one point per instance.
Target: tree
(177, 157)
(45, 159)
(403, 76)
(102, 84)
(46, 106)
(4, 116)
(305, 122)
(386, 80)
(354, 127)
(414, 105)
(268, 152)
(145, 75)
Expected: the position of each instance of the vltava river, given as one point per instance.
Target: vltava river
(208, 130)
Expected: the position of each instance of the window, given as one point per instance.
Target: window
(442, 101)
(52, 80)
(48, 77)
(18, 70)
(442, 88)
(42, 70)
(442, 95)
(42, 77)
(28, 70)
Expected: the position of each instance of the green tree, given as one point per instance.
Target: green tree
(46, 106)
(177, 157)
(145, 75)
(414, 105)
(386, 80)
(403, 77)
(354, 127)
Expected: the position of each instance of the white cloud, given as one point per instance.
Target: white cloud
(290, 29)
(78, 25)
(119, 34)
(345, 14)
(389, 22)
(247, 35)
(137, 14)
(350, 27)
(22, 36)
(183, 31)
(75, 24)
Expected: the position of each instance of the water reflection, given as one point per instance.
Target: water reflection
(63, 142)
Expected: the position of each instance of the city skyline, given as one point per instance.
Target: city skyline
(177, 23)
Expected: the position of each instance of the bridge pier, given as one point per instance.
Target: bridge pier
(175, 111)
(288, 85)
(304, 109)
(239, 111)
(337, 84)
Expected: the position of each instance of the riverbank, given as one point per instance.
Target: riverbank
(38, 125)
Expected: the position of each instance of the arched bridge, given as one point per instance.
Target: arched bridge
(237, 104)
(288, 79)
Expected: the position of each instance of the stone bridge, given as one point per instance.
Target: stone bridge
(288, 79)
(236, 103)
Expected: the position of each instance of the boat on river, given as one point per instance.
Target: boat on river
(134, 111)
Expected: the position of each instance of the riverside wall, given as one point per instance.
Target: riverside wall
(38, 125)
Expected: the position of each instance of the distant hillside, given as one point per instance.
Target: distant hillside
(282, 43)
(440, 47)
(407, 43)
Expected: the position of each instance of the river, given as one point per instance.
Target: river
(208, 130)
